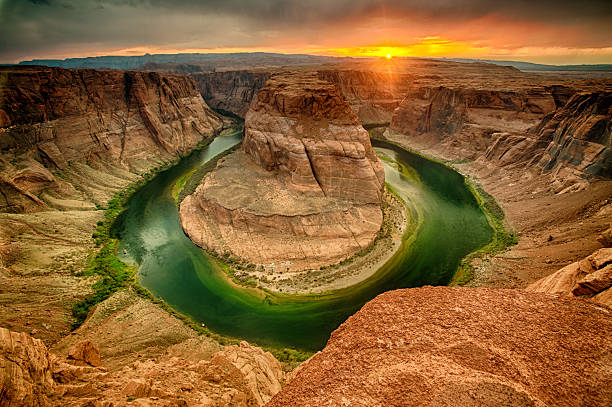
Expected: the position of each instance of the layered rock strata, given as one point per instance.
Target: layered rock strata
(471, 116)
(306, 189)
(52, 120)
(440, 346)
(539, 127)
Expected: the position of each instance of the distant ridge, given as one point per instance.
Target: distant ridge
(270, 58)
(529, 66)
(134, 62)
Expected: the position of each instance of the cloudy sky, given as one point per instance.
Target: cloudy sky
(545, 31)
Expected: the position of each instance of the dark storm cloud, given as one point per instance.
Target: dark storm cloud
(41, 27)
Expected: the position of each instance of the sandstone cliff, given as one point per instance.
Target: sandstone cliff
(371, 95)
(470, 117)
(55, 121)
(539, 126)
(306, 190)
(231, 91)
(457, 346)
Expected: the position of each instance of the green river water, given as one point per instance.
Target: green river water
(175, 269)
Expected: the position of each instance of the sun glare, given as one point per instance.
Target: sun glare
(388, 56)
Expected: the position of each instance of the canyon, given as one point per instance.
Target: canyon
(539, 143)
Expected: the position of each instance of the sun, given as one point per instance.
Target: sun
(388, 56)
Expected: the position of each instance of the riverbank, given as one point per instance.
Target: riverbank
(402, 218)
(399, 223)
(554, 230)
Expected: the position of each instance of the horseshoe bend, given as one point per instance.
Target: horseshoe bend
(412, 223)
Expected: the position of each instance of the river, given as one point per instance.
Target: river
(175, 269)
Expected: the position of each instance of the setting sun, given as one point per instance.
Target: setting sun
(388, 56)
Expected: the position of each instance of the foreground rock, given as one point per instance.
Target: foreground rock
(25, 370)
(193, 371)
(305, 191)
(470, 347)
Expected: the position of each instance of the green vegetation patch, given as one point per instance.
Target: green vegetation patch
(503, 237)
(502, 240)
(114, 274)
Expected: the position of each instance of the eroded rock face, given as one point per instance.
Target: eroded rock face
(306, 189)
(470, 116)
(441, 346)
(25, 370)
(301, 127)
(579, 136)
(187, 373)
(58, 118)
(231, 91)
(588, 278)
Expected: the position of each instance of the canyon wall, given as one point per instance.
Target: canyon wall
(231, 91)
(540, 127)
(55, 121)
(372, 95)
(469, 117)
(305, 191)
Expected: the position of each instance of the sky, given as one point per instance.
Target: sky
(541, 31)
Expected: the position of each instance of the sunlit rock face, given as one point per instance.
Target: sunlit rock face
(301, 127)
(304, 192)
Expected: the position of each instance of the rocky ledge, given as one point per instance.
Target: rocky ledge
(440, 346)
(306, 190)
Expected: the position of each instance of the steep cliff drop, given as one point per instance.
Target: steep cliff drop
(67, 136)
(306, 190)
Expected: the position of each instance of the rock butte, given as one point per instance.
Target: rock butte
(304, 192)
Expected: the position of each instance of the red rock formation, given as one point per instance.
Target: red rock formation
(579, 137)
(238, 376)
(60, 117)
(587, 278)
(87, 352)
(25, 370)
(470, 117)
(461, 347)
(307, 190)
(302, 128)
(372, 95)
